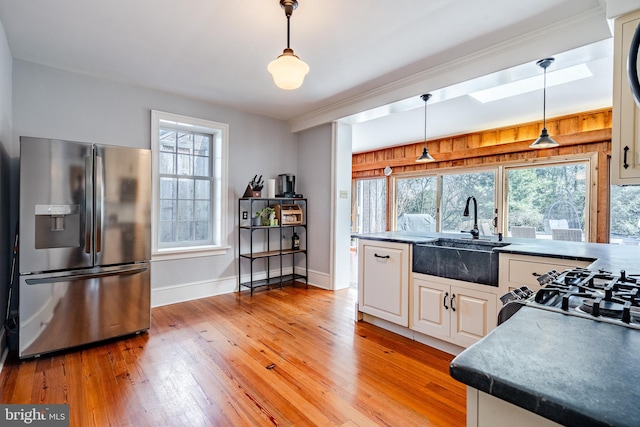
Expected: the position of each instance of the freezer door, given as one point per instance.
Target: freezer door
(55, 205)
(123, 205)
(64, 310)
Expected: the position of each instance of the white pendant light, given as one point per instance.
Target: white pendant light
(544, 141)
(288, 70)
(425, 156)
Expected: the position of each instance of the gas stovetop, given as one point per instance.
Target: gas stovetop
(597, 295)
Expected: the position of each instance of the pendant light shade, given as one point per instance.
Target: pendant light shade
(425, 156)
(288, 70)
(544, 141)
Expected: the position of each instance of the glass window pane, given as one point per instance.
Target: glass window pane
(201, 210)
(166, 234)
(185, 210)
(201, 166)
(625, 215)
(167, 163)
(167, 210)
(185, 229)
(185, 188)
(202, 190)
(167, 140)
(416, 203)
(201, 230)
(371, 202)
(184, 165)
(548, 198)
(456, 189)
(201, 145)
(168, 188)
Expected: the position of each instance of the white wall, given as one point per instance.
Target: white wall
(53, 103)
(314, 182)
(6, 123)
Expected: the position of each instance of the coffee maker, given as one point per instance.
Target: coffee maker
(287, 185)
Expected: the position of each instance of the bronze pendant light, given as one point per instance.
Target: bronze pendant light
(544, 141)
(425, 156)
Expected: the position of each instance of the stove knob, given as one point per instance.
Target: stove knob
(623, 275)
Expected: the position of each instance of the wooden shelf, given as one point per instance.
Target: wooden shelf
(256, 255)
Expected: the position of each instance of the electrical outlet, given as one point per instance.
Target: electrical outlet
(245, 215)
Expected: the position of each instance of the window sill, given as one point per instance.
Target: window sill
(197, 252)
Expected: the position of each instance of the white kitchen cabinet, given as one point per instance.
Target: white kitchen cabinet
(625, 132)
(484, 410)
(517, 270)
(383, 280)
(454, 311)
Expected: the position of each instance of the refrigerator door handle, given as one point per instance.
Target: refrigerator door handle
(84, 275)
(99, 200)
(632, 66)
(88, 204)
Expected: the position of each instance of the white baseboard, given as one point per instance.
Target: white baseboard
(318, 279)
(190, 291)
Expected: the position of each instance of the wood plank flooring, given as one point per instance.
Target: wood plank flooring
(280, 358)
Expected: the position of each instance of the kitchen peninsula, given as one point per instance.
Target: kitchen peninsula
(541, 367)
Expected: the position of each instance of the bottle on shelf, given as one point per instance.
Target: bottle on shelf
(295, 241)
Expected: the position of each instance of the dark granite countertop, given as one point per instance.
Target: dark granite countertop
(608, 257)
(572, 370)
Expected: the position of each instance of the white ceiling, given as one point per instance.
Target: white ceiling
(361, 52)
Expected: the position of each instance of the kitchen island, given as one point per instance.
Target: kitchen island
(540, 368)
(572, 370)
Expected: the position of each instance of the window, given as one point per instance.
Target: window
(189, 183)
(550, 198)
(371, 205)
(546, 201)
(456, 188)
(416, 203)
(625, 215)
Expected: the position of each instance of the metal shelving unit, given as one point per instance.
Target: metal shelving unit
(272, 252)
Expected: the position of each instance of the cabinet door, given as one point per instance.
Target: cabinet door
(625, 132)
(431, 308)
(383, 283)
(473, 315)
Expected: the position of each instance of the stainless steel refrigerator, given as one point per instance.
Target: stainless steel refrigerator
(84, 243)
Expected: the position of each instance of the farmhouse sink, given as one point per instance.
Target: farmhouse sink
(469, 260)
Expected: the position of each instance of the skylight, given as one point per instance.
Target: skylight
(554, 78)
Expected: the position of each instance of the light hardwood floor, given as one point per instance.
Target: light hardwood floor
(280, 358)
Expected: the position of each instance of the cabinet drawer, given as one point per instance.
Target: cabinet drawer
(520, 270)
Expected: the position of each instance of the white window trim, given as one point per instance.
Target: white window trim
(198, 125)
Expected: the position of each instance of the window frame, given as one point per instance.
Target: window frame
(219, 187)
(501, 193)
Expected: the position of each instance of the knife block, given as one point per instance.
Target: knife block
(250, 193)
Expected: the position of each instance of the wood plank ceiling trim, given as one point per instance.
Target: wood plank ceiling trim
(573, 132)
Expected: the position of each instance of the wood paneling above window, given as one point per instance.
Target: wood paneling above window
(575, 133)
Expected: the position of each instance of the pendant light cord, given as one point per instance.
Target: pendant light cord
(288, 28)
(425, 123)
(544, 101)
